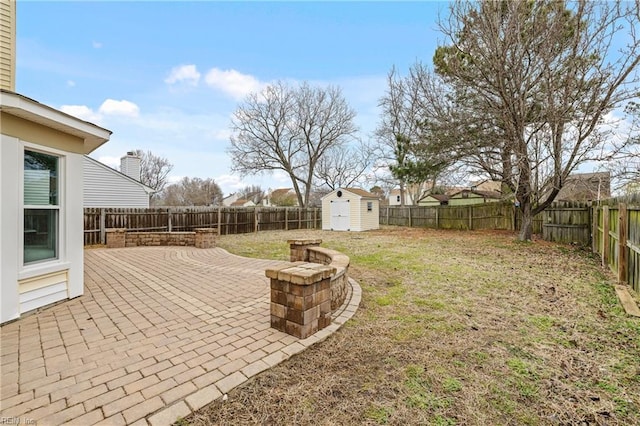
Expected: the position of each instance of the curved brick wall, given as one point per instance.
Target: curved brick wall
(310, 251)
(339, 281)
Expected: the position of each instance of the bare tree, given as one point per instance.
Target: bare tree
(154, 171)
(192, 192)
(343, 166)
(532, 82)
(624, 163)
(253, 193)
(282, 198)
(290, 129)
(403, 138)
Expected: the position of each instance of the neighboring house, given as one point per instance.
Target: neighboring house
(454, 190)
(412, 192)
(487, 185)
(432, 200)
(586, 187)
(350, 209)
(395, 198)
(107, 187)
(243, 203)
(473, 196)
(230, 199)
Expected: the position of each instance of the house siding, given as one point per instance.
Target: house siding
(369, 219)
(7, 44)
(472, 199)
(104, 187)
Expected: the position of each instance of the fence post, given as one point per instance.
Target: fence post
(299, 218)
(219, 221)
(387, 215)
(286, 218)
(256, 218)
(315, 218)
(605, 236)
(410, 222)
(470, 209)
(437, 217)
(169, 224)
(103, 219)
(594, 229)
(622, 243)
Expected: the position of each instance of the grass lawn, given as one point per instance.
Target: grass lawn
(454, 328)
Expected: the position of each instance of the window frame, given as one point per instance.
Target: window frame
(60, 208)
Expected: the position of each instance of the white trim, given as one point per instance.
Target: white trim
(61, 261)
(29, 109)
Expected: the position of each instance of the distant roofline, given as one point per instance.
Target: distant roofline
(147, 189)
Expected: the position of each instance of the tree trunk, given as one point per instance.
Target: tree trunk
(526, 227)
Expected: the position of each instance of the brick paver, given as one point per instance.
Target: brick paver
(160, 331)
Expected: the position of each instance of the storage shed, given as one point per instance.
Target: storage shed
(350, 209)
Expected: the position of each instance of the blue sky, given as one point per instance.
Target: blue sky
(166, 76)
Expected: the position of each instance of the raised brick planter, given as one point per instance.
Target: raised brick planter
(309, 250)
(137, 239)
(206, 238)
(298, 249)
(116, 237)
(300, 298)
(201, 238)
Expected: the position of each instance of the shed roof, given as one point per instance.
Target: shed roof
(439, 197)
(486, 194)
(586, 187)
(356, 191)
(362, 193)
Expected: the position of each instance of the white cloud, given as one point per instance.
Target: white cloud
(281, 177)
(187, 74)
(113, 162)
(96, 44)
(83, 112)
(230, 180)
(222, 135)
(123, 108)
(232, 82)
(71, 83)
(174, 179)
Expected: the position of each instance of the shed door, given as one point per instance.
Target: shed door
(340, 215)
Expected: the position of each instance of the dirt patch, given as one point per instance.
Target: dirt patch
(470, 328)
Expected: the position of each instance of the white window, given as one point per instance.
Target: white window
(398, 198)
(41, 202)
(369, 206)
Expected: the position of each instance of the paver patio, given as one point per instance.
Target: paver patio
(160, 332)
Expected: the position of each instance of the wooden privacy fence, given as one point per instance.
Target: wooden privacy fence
(471, 217)
(566, 222)
(228, 220)
(616, 238)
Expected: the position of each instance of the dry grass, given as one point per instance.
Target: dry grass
(454, 328)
